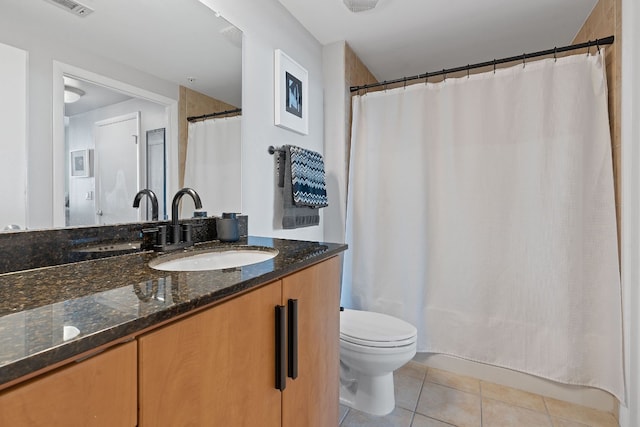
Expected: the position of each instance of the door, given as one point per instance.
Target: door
(117, 168)
(311, 399)
(215, 368)
(98, 391)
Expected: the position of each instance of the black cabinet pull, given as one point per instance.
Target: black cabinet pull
(281, 367)
(293, 338)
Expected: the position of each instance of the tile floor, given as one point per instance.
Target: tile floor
(428, 397)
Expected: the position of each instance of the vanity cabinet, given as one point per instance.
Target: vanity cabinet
(218, 367)
(98, 391)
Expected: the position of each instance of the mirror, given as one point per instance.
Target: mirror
(176, 55)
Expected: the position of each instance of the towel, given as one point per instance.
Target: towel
(307, 177)
(304, 189)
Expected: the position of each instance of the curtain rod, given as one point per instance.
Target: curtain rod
(523, 57)
(206, 116)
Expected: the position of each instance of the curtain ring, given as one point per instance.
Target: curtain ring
(444, 73)
(405, 82)
(524, 64)
(426, 78)
(468, 68)
(598, 46)
(385, 85)
(555, 57)
(589, 48)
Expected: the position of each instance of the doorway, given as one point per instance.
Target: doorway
(112, 127)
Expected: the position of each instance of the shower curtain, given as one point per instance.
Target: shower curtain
(213, 165)
(481, 209)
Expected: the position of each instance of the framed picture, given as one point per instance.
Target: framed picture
(291, 94)
(80, 163)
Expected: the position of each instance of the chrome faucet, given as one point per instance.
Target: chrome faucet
(154, 202)
(175, 227)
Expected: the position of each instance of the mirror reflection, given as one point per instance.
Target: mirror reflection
(135, 71)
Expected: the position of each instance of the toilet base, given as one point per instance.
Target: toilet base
(366, 393)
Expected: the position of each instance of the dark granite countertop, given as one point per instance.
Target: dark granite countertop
(112, 298)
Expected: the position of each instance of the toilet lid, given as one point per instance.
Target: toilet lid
(375, 329)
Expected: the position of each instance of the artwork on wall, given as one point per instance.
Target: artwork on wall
(80, 163)
(291, 94)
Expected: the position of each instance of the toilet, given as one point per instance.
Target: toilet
(372, 346)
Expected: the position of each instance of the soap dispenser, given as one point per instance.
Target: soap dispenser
(227, 227)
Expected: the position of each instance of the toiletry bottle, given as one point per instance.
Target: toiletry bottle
(227, 228)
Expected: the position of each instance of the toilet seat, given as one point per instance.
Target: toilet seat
(369, 329)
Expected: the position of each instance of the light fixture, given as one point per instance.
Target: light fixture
(72, 94)
(360, 5)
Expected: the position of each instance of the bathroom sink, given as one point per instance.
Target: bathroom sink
(214, 259)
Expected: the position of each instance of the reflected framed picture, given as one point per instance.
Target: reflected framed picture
(291, 94)
(80, 162)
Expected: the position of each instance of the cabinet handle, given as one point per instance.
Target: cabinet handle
(281, 367)
(293, 338)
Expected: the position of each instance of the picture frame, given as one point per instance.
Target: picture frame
(80, 163)
(291, 94)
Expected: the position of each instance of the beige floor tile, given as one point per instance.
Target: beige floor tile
(500, 414)
(559, 422)
(343, 410)
(413, 369)
(512, 396)
(573, 412)
(422, 421)
(459, 382)
(398, 418)
(449, 405)
(407, 390)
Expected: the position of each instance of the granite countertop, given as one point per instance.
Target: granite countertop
(113, 298)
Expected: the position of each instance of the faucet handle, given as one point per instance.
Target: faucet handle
(187, 232)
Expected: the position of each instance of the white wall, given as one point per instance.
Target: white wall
(267, 26)
(335, 113)
(630, 413)
(42, 52)
(13, 135)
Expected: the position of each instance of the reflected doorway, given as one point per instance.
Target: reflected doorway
(112, 128)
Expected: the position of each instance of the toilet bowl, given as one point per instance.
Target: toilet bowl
(372, 346)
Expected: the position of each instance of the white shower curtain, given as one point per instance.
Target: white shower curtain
(481, 210)
(213, 165)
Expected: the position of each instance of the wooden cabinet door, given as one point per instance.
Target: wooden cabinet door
(311, 400)
(99, 391)
(215, 368)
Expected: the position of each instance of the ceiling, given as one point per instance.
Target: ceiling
(180, 41)
(408, 37)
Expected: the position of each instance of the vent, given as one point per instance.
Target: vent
(72, 6)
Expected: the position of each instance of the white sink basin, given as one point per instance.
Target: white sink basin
(213, 259)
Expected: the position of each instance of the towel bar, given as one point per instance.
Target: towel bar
(272, 150)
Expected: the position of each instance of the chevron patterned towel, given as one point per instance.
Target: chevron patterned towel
(307, 178)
